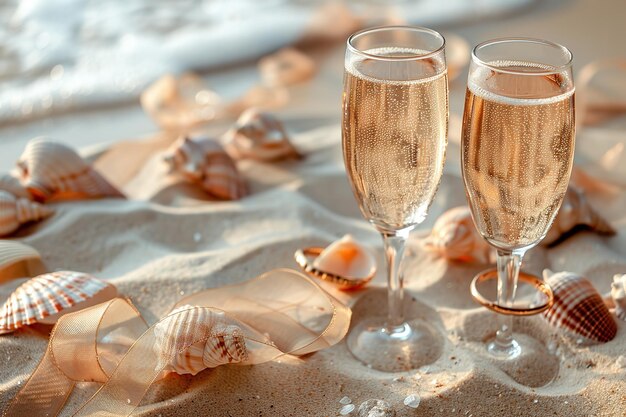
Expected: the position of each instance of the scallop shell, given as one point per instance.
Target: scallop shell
(45, 298)
(203, 161)
(12, 185)
(197, 339)
(578, 307)
(52, 170)
(17, 211)
(259, 135)
(454, 237)
(286, 67)
(576, 212)
(18, 260)
(618, 294)
(347, 258)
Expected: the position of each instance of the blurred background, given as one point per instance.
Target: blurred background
(74, 70)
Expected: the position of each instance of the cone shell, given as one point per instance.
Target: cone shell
(18, 260)
(347, 258)
(197, 339)
(12, 185)
(17, 211)
(618, 294)
(454, 237)
(52, 170)
(260, 136)
(576, 212)
(203, 161)
(578, 307)
(45, 298)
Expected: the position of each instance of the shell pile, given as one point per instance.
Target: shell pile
(454, 237)
(203, 161)
(259, 135)
(49, 169)
(576, 212)
(578, 307)
(17, 211)
(198, 338)
(347, 258)
(45, 298)
(286, 67)
(618, 294)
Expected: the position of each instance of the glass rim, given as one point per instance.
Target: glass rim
(375, 29)
(556, 69)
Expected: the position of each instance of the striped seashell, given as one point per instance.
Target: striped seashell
(618, 294)
(260, 136)
(198, 338)
(12, 185)
(454, 237)
(17, 211)
(578, 307)
(52, 170)
(18, 260)
(45, 298)
(203, 161)
(575, 213)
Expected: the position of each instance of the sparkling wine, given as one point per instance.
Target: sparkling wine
(517, 153)
(394, 136)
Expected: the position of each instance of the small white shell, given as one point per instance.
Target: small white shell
(618, 294)
(286, 67)
(45, 298)
(197, 339)
(260, 136)
(52, 170)
(12, 185)
(17, 211)
(203, 161)
(347, 258)
(18, 260)
(454, 237)
(578, 307)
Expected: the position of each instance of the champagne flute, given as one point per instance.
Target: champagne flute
(395, 122)
(517, 154)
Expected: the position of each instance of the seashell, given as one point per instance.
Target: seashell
(454, 237)
(576, 212)
(12, 185)
(52, 170)
(347, 258)
(18, 260)
(259, 136)
(17, 211)
(618, 294)
(202, 160)
(578, 307)
(45, 298)
(286, 67)
(197, 339)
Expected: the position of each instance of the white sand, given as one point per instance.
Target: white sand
(146, 247)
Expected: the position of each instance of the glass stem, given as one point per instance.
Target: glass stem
(394, 242)
(509, 263)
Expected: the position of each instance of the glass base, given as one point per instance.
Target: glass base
(401, 348)
(503, 352)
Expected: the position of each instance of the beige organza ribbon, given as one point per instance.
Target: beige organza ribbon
(280, 312)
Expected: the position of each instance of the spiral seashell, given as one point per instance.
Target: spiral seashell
(618, 294)
(203, 161)
(18, 260)
(52, 170)
(578, 307)
(12, 185)
(576, 212)
(454, 237)
(45, 298)
(260, 136)
(17, 211)
(197, 339)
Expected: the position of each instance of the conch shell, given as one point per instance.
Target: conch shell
(198, 338)
(260, 136)
(576, 212)
(618, 294)
(454, 237)
(286, 67)
(347, 258)
(578, 307)
(203, 161)
(12, 185)
(52, 170)
(17, 211)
